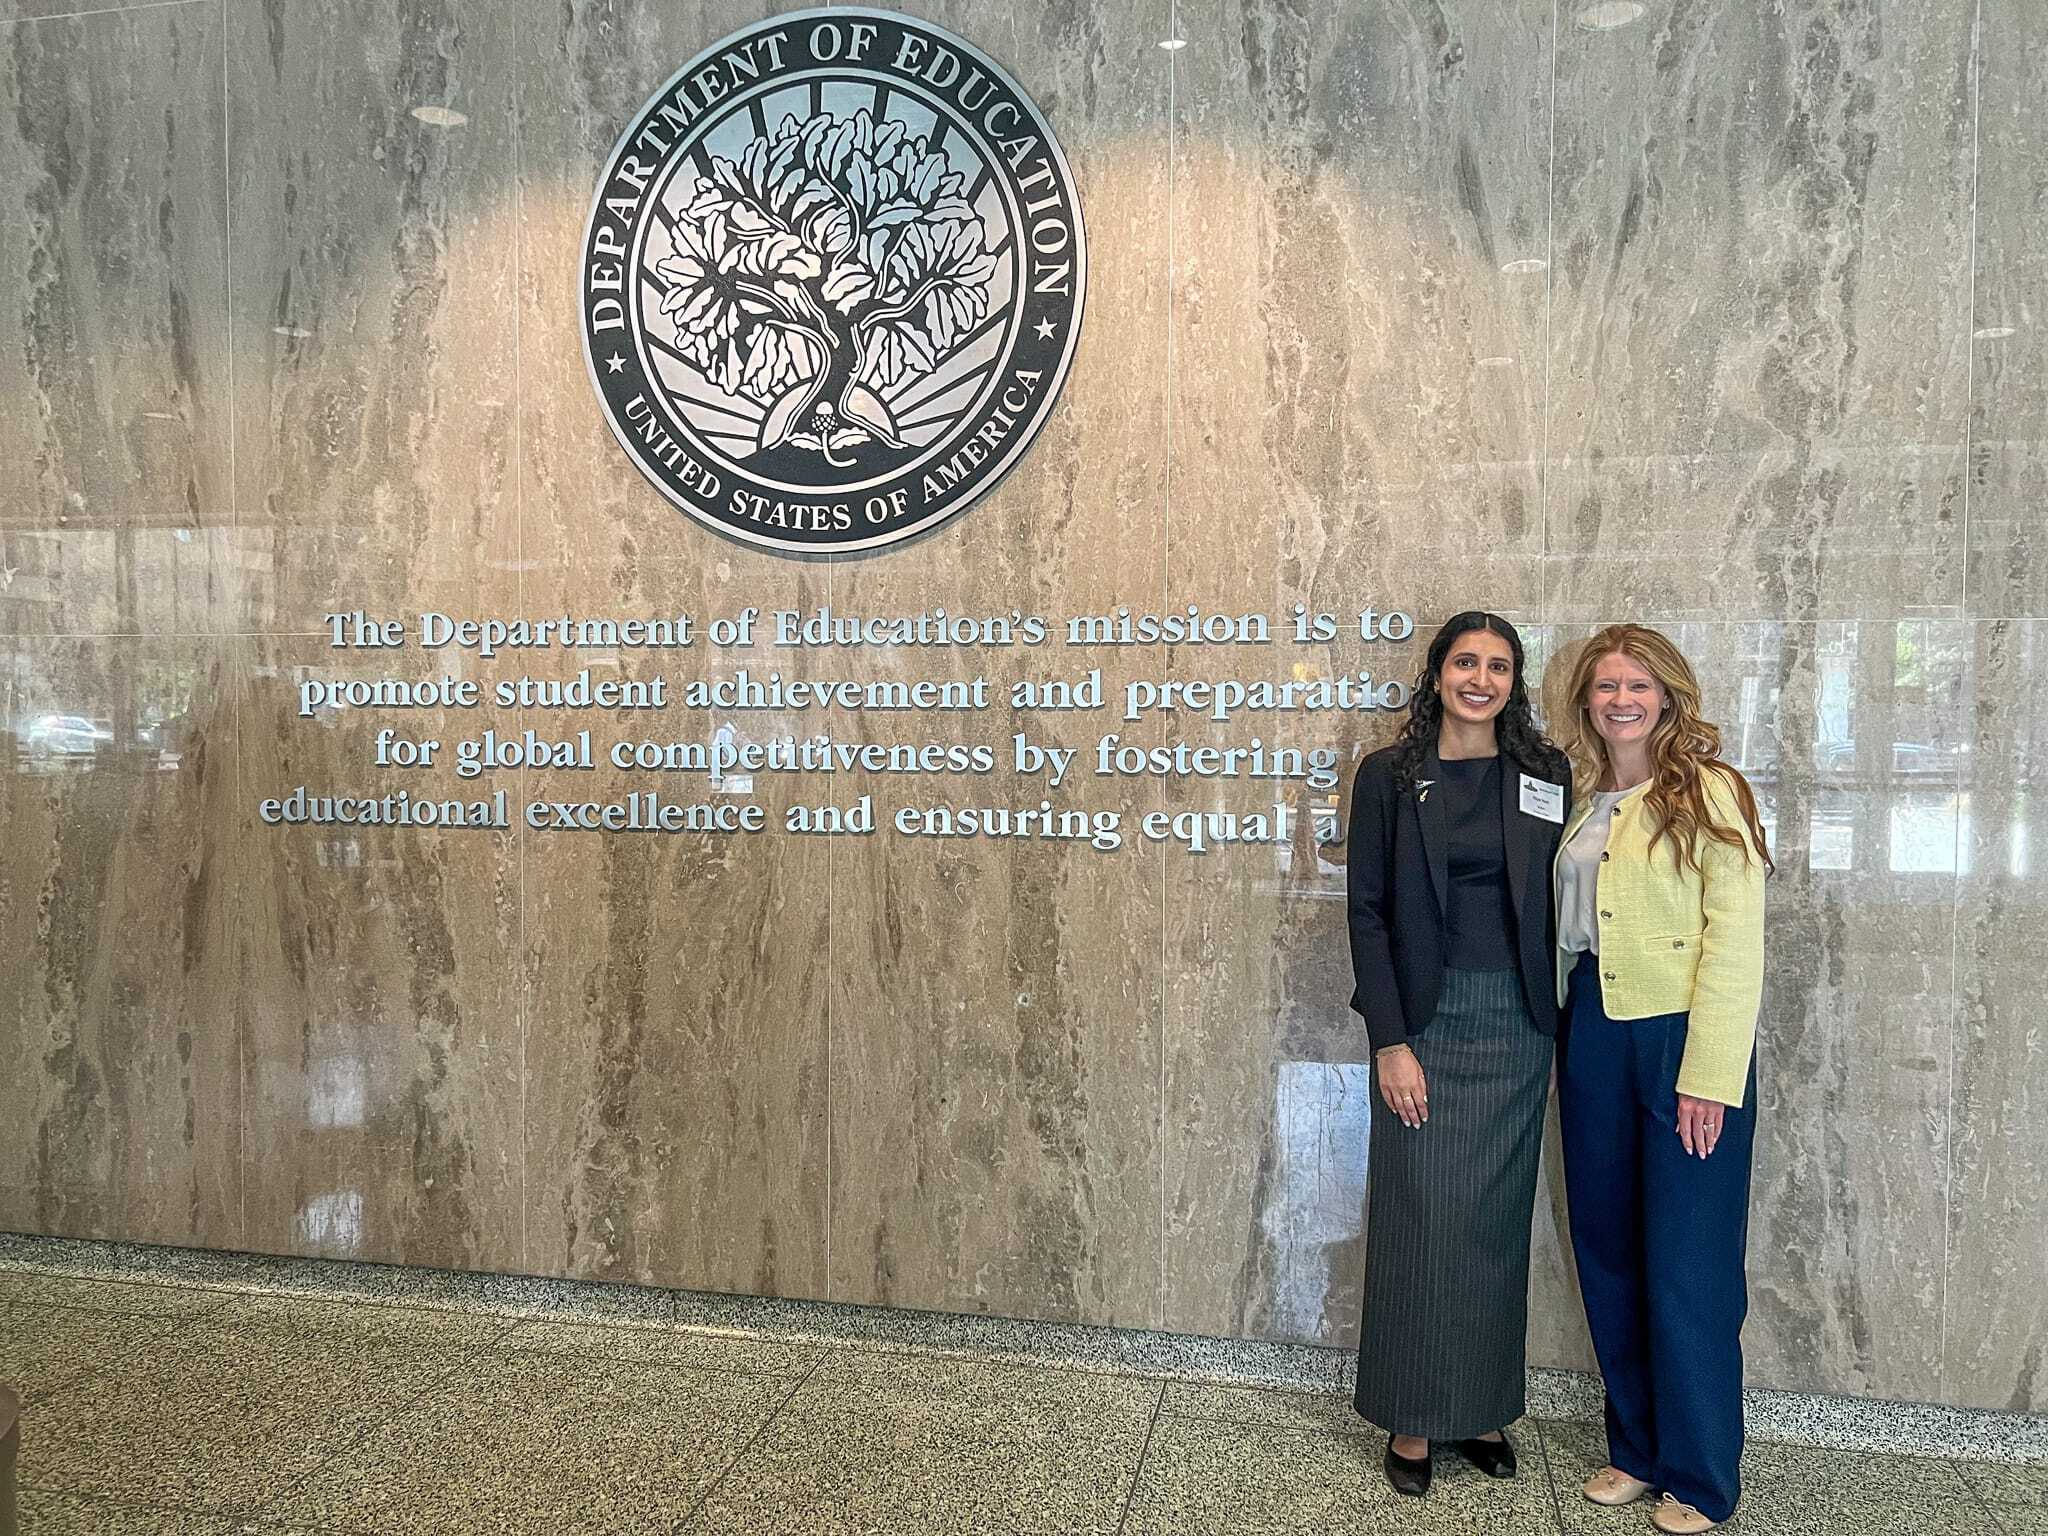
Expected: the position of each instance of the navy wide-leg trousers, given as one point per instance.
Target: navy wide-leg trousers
(1659, 1236)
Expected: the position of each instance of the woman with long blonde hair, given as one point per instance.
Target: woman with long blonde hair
(1660, 907)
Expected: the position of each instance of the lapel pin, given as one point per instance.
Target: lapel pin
(1422, 788)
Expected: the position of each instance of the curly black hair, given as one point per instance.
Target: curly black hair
(1515, 726)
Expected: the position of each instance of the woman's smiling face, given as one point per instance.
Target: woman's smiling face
(1624, 700)
(1477, 675)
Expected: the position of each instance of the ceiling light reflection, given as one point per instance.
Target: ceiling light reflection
(1608, 14)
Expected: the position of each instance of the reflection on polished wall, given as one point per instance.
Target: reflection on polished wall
(1728, 319)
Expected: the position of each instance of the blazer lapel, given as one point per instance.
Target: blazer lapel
(1516, 835)
(1436, 842)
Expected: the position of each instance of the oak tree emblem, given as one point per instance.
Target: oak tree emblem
(833, 259)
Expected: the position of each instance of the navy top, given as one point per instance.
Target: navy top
(1481, 909)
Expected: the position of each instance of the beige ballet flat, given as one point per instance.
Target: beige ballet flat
(1613, 1487)
(1679, 1519)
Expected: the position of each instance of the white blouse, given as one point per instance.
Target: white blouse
(1578, 876)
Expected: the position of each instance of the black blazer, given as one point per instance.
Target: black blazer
(1398, 874)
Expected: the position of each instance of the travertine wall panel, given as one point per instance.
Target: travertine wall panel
(1726, 319)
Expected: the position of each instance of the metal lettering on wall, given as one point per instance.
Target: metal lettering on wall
(832, 281)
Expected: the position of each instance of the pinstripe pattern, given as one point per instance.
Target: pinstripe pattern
(1442, 1347)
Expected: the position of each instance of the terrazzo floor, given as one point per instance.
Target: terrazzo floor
(169, 1409)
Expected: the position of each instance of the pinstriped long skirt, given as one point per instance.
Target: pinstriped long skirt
(1442, 1347)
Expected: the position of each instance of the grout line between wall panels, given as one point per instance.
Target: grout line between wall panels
(1165, 602)
(1549, 305)
(831, 976)
(1955, 924)
(44, 636)
(236, 678)
(110, 10)
(524, 974)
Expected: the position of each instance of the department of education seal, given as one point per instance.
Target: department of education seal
(832, 280)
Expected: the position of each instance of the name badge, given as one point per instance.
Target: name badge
(1542, 798)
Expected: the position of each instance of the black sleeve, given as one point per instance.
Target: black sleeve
(1375, 996)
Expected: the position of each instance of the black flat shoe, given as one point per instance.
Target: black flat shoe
(1409, 1475)
(1496, 1458)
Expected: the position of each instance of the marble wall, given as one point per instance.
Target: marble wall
(1728, 317)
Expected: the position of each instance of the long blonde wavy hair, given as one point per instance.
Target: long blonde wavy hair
(1684, 747)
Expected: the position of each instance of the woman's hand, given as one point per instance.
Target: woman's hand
(1401, 1085)
(1699, 1124)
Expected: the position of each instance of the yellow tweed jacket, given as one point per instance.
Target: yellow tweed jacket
(1674, 939)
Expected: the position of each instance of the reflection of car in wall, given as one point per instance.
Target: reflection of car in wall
(49, 736)
(1839, 760)
(1910, 759)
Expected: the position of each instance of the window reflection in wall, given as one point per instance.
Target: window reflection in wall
(1853, 735)
(138, 721)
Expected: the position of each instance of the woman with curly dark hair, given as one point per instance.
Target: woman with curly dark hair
(1453, 830)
